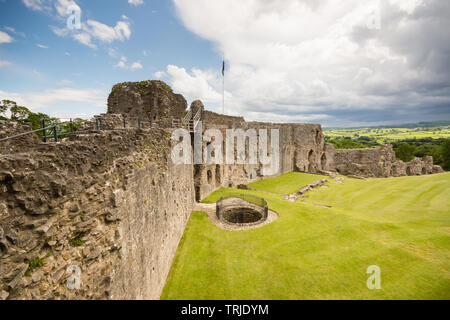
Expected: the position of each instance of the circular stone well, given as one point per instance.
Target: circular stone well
(242, 210)
(242, 215)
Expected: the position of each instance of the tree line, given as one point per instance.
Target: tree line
(22, 114)
(405, 150)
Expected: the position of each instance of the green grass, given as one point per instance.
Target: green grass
(34, 264)
(259, 201)
(401, 225)
(288, 183)
(386, 135)
(76, 242)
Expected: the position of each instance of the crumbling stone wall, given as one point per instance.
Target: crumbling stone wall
(213, 118)
(297, 142)
(327, 158)
(372, 162)
(380, 162)
(11, 128)
(149, 100)
(109, 202)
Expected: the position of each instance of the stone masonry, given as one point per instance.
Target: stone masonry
(111, 205)
(108, 202)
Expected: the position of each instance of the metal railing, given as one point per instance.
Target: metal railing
(131, 122)
(197, 118)
(53, 128)
(188, 122)
(187, 118)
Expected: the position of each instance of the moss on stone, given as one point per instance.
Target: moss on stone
(76, 242)
(34, 264)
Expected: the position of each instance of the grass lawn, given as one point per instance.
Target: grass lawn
(384, 135)
(288, 183)
(401, 225)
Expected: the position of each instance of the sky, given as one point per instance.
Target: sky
(338, 63)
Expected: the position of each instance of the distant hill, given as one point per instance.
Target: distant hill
(423, 124)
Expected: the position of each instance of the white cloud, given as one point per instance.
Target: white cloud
(122, 64)
(136, 2)
(159, 74)
(94, 30)
(51, 97)
(4, 63)
(41, 46)
(62, 7)
(91, 30)
(106, 33)
(38, 5)
(5, 38)
(60, 32)
(197, 85)
(64, 82)
(13, 30)
(136, 66)
(302, 58)
(85, 39)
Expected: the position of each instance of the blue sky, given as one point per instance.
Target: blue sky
(40, 60)
(338, 63)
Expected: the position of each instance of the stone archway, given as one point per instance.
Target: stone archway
(218, 176)
(318, 138)
(311, 161)
(408, 171)
(323, 161)
(209, 176)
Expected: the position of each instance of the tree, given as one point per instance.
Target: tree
(405, 152)
(19, 113)
(445, 152)
(5, 105)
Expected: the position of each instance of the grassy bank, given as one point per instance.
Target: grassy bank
(401, 225)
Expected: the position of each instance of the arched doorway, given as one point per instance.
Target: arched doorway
(318, 137)
(209, 176)
(218, 176)
(408, 171)
(323, 161)
(311, 161)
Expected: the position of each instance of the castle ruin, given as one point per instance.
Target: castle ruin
(109, 203)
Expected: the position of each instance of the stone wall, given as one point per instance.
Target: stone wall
(301, 149)
(380, 162)
(109, 202)
(373, 162)
(213, 118)
(148, 100)
(11, 128)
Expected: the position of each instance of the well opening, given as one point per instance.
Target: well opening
(242, 210)
(242, 215)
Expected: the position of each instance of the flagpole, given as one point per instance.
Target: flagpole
(223, 87)
(223, 94)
